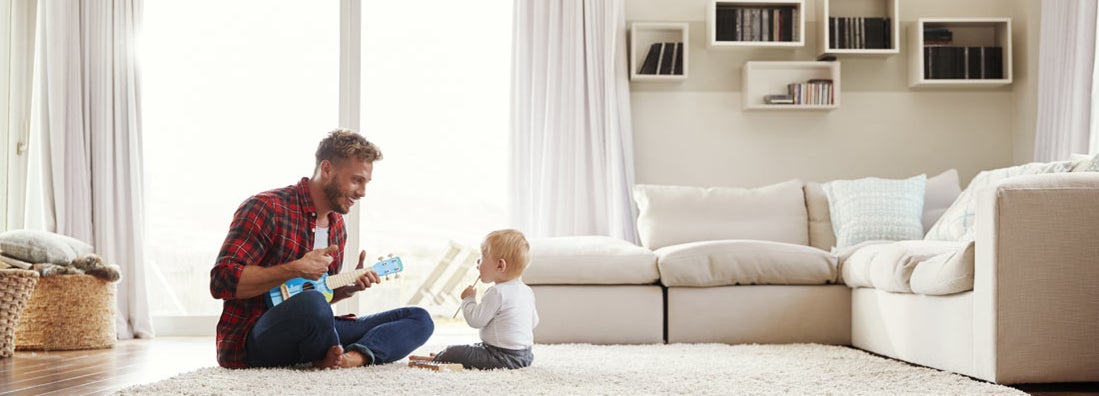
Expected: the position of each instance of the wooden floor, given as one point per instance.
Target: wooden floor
(102, 371)
(97, 372)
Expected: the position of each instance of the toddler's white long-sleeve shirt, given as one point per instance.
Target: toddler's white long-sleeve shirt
(506, 315)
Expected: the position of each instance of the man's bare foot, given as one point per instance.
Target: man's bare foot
(352, 359)
(334, 358)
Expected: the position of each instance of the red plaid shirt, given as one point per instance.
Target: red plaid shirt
(270, 228)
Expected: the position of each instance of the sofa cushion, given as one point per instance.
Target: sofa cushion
(671, 215)
(946, 273)
(36, 247)
(956, 224)
(589, 260)
(889, 266)
(941, 191)
(744, 262)
(872, 208)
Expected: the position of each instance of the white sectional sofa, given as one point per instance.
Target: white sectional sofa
(1019, 303)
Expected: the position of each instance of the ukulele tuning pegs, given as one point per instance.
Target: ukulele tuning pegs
(390, 255)
(397, 276)
(380, 258)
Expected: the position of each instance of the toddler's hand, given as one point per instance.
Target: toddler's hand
(469, 291)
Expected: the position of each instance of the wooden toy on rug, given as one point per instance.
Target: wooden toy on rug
(435, 366)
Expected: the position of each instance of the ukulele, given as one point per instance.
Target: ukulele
(327, 283)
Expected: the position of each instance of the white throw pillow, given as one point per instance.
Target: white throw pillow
(876, 209)
(38, 247)
(957, 223)
(941, 191)
(1094, 164)
(671, 215)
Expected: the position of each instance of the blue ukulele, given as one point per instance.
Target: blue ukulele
(326, 283)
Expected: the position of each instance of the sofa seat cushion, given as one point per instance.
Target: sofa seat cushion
(589, 260)
(890, 266)
(744, 262)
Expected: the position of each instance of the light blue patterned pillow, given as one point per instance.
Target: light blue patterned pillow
(956, 224)
(876, 209)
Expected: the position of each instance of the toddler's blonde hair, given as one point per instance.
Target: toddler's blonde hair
(509, 245)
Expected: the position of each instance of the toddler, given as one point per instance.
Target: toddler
(506, 314)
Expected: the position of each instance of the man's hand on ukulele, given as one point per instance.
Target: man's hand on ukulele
(366, 280)
(315, 263)
(469, 291)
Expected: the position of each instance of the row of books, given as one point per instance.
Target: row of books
(663, 58)
(859, 33)
(972, 63)
(736, 23)
(813, 92)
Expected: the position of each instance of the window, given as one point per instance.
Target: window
(237, 94)
(235, 97)
(435, 98)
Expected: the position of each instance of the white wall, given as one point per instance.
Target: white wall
(694, 133)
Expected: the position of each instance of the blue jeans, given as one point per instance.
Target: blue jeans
(302, 328)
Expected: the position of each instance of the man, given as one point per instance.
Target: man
(298, 231)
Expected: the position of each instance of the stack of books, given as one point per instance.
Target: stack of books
(737, 23)
(944, 61)
(813, 92)
(663, 58)
(860, 33)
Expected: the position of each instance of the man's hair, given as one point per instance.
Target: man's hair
(509, 245)
(343, 144)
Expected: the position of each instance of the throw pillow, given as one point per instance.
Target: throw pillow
(1080, 162)
(957, 223)
(941, 191)
(876, 209)
(670, 215)
(1094, 164)
(37, 247)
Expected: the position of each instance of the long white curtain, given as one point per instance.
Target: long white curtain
(15, 109)
(572, 142)
(87, 127)
(1066, 63)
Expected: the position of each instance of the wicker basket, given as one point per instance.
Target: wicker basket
(68, 312)
(16, 286)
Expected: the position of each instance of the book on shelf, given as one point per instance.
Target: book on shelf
(678, 67)
(937, 35)
(652, 59)
(778, 99)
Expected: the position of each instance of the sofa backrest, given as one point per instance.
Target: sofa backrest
(671, 215)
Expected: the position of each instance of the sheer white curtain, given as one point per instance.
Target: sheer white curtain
(86, 132)
(15, 110)
(1066, 64)
(572, 142)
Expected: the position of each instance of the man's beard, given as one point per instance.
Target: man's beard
(335, 198)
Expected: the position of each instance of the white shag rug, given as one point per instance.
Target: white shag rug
(581, 369)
